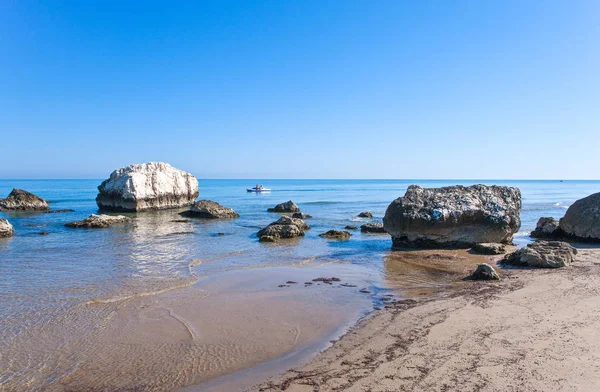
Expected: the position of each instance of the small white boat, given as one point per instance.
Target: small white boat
(258, 190)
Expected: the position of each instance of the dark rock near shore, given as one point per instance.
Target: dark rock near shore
(98, 221)
(20, 200)
(287, 207)
(148, 186)
(582, 219)
(284, 227)
(453, 217)
(59, 211)
(351, 227)
(6, 229)
(365, 214)
(301, 215)
(547, 228)
(207, 209)
(484, 272)
(373, 227)
(489, 248)
(542, 254)
(336, 235)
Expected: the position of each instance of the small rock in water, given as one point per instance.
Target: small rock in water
(547, 228)
(366, 214)
(20, 200)
(288, 206)
(221, 234)
(485, 272)
(307, 283)
(301, 215)
(326, 280)
(207, 209)
(347, 285)
(336, 235)
(373, 228)
(43, 233)
(58, 211)
(283, 285)
(291, 282)
(364, 291)
(180, 220)
(6, 229)
(284, 227)
(351, 227)
(98, 221)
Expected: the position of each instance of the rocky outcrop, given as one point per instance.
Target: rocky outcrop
(98, 221)
(365, 214)
(148, 186)
(336, 235)
(301, 215)
(547, 228)
(455, 216)
(485, 248)
(542, 254)
(287, 207)
(284, 227)
(373, 227)
(582, 219)
(484, 272)
(6, 229)
(20, 200)
(207, 209)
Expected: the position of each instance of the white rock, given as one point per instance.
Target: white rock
(6, 229)
(149, 186)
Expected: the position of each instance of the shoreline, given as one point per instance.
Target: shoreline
(527, 332)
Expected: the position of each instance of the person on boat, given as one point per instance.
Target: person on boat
(256, 187)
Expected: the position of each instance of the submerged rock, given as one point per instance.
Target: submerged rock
(301, 215)
(336, 235)
(365, 214)
(542, 254)
(288, 206)
(489, 248)
(582, 219)
(20, 200)
(98, 221)
(207, 209)
(148, 186)
(284, 227)
(485, 272)
(59, 211)
(351, 227)
(454, 216)
(373, 227)
(6, 229)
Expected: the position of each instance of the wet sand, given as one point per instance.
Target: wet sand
(535, 330)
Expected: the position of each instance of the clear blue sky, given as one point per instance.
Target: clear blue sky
(301, 89)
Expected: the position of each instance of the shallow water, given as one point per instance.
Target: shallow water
(57, 289)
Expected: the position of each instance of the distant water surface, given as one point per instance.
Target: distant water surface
(43, 277)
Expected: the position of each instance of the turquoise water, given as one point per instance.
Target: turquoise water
(43, 276)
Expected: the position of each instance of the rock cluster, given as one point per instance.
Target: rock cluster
(373, 227)
(148, 186)
(455, 216)
(542, 254)
(287, 207)
(98, 221)
(489, 248)
(485, 272)
(208, 209)
(6, 229)
(336, 235)
(284, 227)
(20, 200)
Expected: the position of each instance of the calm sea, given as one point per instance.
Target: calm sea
(43, 276)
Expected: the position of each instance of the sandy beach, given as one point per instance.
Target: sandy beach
(535, 330)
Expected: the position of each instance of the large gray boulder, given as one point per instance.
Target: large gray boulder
(148, 186)
(287, 207)
(542, 254)
(547, 228)
(6, 229)
(454, 216)
(20, 200)
(98, 222)
(582, 219)
(284, 227)
(208, 209)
